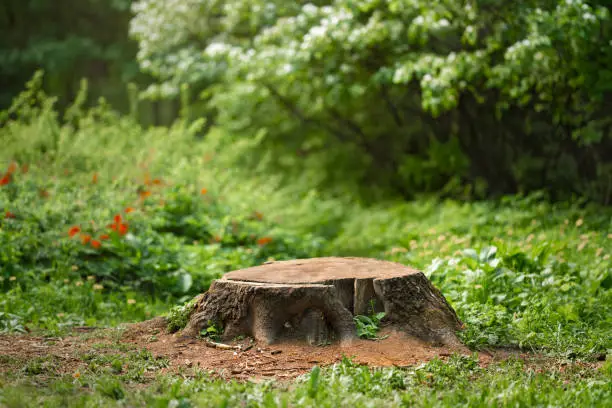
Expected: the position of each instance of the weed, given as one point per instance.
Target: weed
(178, 316)
(368, 326)
(110, 387)
(212, 331)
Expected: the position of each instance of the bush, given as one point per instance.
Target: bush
(501, 96)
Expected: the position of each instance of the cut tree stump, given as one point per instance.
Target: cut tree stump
(315, 300)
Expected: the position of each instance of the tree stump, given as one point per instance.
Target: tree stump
(315, 300)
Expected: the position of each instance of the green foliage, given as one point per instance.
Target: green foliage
(213, 331)
(458, 381)
(368, 326)
(501, 96)
(145, 235)
(520, 271)
(178, 316)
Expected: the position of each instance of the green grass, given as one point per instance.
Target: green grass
(520, 272)
(460, 381)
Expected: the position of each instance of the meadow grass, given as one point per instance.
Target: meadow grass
(104, 222)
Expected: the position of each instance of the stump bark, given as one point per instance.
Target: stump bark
(315, 300)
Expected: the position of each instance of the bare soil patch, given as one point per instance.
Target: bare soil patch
(254, 360)
(284, 360)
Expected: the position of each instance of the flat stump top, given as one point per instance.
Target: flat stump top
(320, 270)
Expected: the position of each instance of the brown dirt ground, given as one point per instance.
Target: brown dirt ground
(283, 361)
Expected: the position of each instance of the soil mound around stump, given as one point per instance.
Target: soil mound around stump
(316, 300)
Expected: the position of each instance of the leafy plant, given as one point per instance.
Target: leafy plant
(212, 331)
(368, 326)
(178, 316)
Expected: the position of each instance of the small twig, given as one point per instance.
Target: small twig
(221, 345)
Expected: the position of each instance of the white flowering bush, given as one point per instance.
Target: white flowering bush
(428, 93)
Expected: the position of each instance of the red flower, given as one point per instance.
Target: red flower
(73, 231)
(117, 219)
(11, 168)
(112, 226)
(85, 239)
(5, 179)
(263, 241)
(96, 244)
(104, 237)
(9, 214)
(123, 229)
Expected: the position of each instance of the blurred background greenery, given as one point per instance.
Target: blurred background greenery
(468, 99)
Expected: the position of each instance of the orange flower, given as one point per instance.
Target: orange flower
(157, 182)
(104, 237)
(94, 179)
(117, 219)
(144, 194)
(95, 243)
(5, 179)
(203, 191)
(263, 241)
(9, 214)
(11, 168)
(74, 230)
(123, 229)
(85, 239)
(129, 210)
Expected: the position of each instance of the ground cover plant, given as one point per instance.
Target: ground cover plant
(106, 222)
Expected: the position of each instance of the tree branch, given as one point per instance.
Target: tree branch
(384, 92)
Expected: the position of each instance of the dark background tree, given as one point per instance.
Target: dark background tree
(71, 40)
